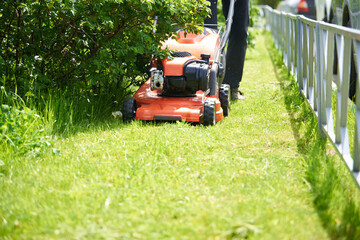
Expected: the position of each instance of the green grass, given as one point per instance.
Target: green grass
(262, 173)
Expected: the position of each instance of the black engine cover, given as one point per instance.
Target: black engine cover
(195, 77)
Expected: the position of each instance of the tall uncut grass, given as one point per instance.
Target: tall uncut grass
(22, 129)
(68, 111)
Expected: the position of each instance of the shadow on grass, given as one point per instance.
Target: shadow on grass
(336, 196)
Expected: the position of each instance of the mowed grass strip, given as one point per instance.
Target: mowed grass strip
(243, 178)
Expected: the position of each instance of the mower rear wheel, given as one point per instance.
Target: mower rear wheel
(129, 109)
(209, 112)
(224, 96)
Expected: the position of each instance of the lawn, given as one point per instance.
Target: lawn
(262, 173)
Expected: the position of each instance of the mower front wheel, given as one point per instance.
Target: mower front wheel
(209, 112)
(129, 109)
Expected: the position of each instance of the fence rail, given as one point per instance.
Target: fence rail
(311, 50)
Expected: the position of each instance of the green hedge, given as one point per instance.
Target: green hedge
(95, 45)
(271, 3)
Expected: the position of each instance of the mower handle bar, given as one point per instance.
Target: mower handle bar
(226, 34)
(224, 38)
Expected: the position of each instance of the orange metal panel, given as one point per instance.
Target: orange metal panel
(175, 66)
(194, 44)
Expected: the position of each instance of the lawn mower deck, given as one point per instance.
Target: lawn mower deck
(152, 106)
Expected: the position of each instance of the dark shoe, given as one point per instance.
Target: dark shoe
(236, 94)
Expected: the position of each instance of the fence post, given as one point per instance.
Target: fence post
(356, 167)
(288, 43)
(299, 54)
(318, 77)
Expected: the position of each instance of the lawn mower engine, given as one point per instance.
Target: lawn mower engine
(183, 75)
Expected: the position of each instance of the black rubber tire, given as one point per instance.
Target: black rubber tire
(209, 112)
(225, 97)
(129, 109)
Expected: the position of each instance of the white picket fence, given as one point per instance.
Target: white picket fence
(308, 48)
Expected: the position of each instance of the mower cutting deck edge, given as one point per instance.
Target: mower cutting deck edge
(188, 86)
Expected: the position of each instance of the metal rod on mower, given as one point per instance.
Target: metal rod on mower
(221, 50)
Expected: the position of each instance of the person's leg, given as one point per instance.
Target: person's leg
(235, 56)
(213, 19)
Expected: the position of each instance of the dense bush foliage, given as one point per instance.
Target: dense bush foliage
(64, 62)
(93, 45)
(254, 14)
(271, 3)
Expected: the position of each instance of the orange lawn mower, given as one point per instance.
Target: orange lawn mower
(187, 87)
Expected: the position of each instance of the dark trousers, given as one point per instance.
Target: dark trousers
(236, 50)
